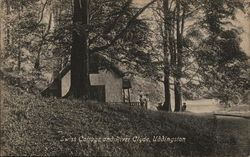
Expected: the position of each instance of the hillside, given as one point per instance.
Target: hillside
(32, 125)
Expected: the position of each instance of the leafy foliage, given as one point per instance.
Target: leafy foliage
(223, 64)
(39, 34)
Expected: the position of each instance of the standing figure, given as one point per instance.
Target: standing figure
(184, 107)
(146, 101)
(141, 101)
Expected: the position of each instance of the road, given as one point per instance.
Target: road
(232, 136)
(232, 132)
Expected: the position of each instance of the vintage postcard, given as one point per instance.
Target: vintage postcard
(125, 78)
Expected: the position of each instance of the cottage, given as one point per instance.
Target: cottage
(106, 80)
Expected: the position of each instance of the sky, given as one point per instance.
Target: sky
(244, 22)
(241, 21)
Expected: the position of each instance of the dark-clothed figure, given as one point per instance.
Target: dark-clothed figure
(141, 101)
(184, 107)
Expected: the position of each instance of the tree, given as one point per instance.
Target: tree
(166, 51)
(225, 67)
(1, 27)
(173, 15)
(32, 31)
(115, 32)
(219, 57)
(179, 48)
(178, 73)
(80, 82)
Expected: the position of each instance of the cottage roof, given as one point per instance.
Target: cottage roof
(63, 71)
(103, 64)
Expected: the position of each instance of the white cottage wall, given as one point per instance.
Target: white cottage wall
(65, 83)
(112, 82)
(113, 86)
(97, 79)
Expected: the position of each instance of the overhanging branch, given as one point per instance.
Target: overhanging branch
(119, 35)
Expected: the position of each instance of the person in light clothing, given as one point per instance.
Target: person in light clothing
(146, 101)
(141, 101)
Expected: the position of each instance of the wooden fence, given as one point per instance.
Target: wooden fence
(127, 103)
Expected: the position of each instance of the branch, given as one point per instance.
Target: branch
(118, 36)
(44, 6)
(40, 20)
(112, 26)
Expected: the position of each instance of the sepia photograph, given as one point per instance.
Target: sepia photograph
(163, 78)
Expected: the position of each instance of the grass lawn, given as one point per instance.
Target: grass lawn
(32, 125)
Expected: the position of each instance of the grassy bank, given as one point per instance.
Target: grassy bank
(32, 125)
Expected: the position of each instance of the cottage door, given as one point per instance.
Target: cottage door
(97, 93)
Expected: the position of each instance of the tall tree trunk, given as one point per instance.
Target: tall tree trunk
(44, 35)
(167, 100)
(178, 72)
(80, 83)
(179, 33)
(8, 40)
(172, 43)
(18, 43)
(1, 28)
(60, 60)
